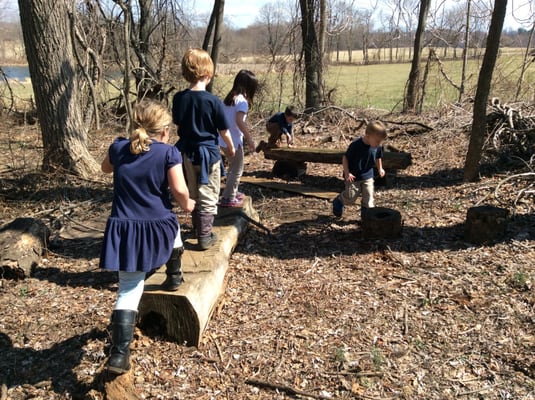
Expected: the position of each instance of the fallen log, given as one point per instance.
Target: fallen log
(391, 159)
(22, 243)
(182, 316)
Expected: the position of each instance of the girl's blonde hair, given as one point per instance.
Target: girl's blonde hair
(149, 119)
(196, 65)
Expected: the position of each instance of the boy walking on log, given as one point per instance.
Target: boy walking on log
(200, 117)
(279, 125)
(358, 161)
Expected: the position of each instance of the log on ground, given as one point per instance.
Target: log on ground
(22, 242)
(182, 315)
(391, 159)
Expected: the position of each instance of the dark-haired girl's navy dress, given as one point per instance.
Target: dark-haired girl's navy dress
(142, 227)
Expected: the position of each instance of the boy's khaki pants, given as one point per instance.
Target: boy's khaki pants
(354, 189)
(206, 196)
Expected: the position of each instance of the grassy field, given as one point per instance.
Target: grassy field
(378, 86)
(382, 85)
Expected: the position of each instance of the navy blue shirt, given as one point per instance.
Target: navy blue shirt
(280, 119)
(140, 185)
(361, 158)
(200, 116)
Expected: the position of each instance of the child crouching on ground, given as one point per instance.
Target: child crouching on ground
(279, 125)
(358, 161)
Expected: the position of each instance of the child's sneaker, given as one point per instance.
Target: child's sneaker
(338, 207)
(231, 202)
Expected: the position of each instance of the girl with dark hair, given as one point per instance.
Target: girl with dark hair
(237, 104)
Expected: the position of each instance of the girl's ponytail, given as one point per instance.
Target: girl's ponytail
(139, 141)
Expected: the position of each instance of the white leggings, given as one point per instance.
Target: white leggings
(131, 285)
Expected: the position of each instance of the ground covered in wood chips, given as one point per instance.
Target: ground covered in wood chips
(313, 310)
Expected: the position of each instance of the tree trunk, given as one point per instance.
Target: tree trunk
(51, 62)
(411, 98)
(313, 60)
(479, 124)
(217, 14)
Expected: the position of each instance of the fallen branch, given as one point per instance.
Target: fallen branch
(286, 389)
(525, 175)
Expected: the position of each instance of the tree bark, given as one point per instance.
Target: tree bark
(53, 71)
(313, 59)
(479, 119)
(411, 98)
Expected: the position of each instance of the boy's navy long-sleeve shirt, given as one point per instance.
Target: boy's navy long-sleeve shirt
(280, 119)
(361, 159)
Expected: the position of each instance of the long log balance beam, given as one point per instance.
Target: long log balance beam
(183, 315)
(391, 159)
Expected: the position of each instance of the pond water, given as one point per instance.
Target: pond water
(15, 72)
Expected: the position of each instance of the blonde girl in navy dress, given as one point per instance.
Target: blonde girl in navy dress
(142, 232)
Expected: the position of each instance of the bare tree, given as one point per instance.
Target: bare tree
(52, 65)
(465, 49)
(479, 121)
(215, 25)
(312, 53)
(528, 59)
(411, 97)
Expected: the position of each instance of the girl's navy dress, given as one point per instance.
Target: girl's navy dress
(142, 227)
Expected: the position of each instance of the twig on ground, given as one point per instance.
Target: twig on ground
(286, 389)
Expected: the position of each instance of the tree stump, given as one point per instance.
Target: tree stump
(485, 223)
(22, 243)
(381, 223)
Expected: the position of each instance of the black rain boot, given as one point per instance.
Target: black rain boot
(173, 271)
(123, 323)
(206, 237)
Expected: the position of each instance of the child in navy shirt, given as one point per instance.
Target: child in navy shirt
(362, 155)
(279, 125)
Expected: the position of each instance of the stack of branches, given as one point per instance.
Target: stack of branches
(510, 135)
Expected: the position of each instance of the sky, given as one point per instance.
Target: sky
(241, 13)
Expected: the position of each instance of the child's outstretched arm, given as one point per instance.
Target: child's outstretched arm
(228, 141)
(244, 128)
(179, 189)
(379, 165)
(348, 176)
(106, 166)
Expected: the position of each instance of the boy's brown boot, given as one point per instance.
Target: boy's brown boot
(206, 238)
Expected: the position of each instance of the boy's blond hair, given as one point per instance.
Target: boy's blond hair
(196, 65)
(376, 128)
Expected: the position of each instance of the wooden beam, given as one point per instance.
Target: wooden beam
(391, 159)
(184, 314)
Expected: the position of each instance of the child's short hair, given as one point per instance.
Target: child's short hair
(290, 112)
(196, 65)
(376, 128)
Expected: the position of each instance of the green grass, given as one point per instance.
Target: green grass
(379, 86)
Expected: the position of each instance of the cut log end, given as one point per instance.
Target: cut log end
(381, 223)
